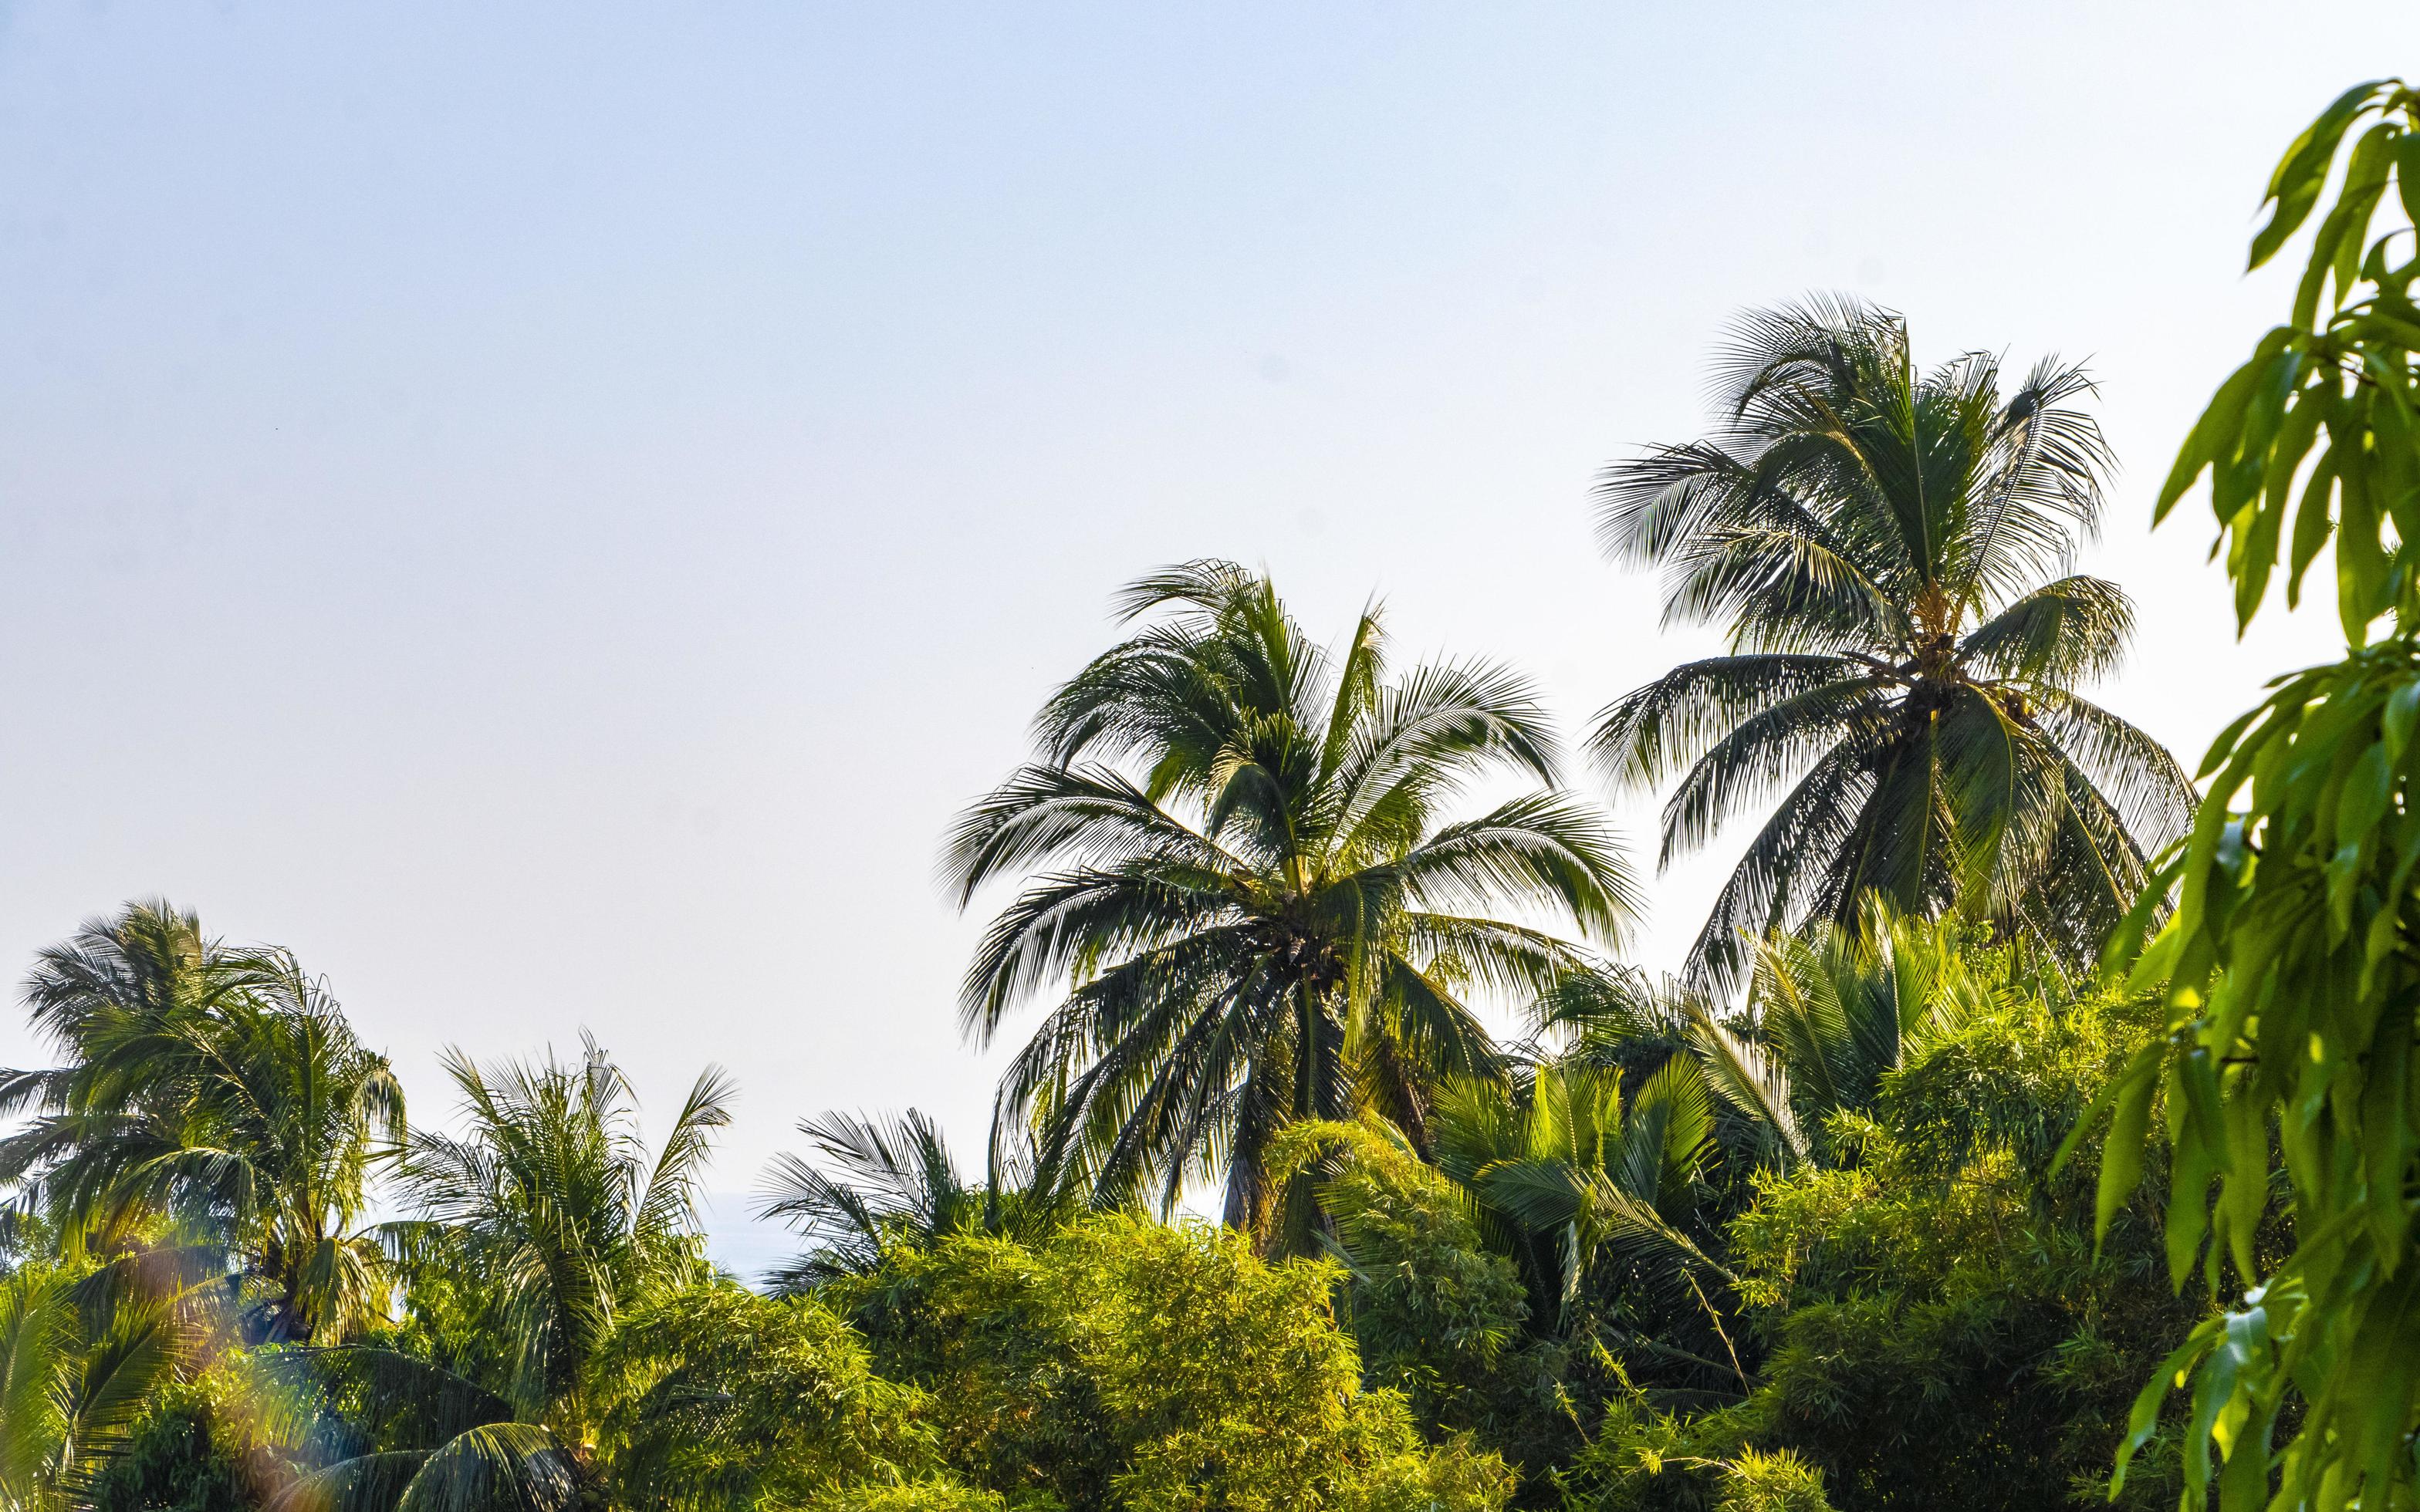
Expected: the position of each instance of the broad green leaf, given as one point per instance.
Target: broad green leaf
(2407, 173)
(2367, 790)
(2121, 1160)
(2300, 177)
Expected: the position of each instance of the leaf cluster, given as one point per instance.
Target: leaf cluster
(1125, 1363)
(2289, 968)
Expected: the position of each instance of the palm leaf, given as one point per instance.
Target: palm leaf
(503, 1467)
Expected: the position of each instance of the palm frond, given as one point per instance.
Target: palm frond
(360, 1483)
(2149, 788)
(1786, 872)
(875, 1181)
(1540, 845)
(348, 1397)
(668, 1203)
(1749, 1078)
(503, 1467)
(1646, 736)
(2065, 632)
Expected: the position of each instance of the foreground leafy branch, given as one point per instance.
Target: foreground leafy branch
(2290, 966)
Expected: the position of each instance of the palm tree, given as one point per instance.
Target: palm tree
(1840, 1006)
(220, 1087)
(878, 1185)
(1577, 1176)
(1887, 550)
(551, 1207)
(1251, 893)
(1830, 1011)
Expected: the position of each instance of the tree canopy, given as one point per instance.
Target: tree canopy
(2026, 1127)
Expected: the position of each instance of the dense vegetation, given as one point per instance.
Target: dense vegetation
(1862, 1211)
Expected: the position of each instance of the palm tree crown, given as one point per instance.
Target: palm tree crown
(1888, 551)
(220, 1087)
(554, 1194)
(551, 1200)
(1250, 889)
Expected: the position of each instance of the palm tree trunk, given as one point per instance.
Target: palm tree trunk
(1293, 1228)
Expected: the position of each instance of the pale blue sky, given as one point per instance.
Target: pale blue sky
(548, 510)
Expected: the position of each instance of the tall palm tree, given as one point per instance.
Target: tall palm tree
(220, 1087)
(1889, 552)
(550, 1204)
(1252, 899)
(553, 1199)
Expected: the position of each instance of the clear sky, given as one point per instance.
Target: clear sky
(548, 510)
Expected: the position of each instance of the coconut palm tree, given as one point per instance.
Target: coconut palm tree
(218, 1088)
(1250, 892)
(554, 1214)
(1888, 552)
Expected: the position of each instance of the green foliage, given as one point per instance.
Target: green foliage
(1647, 1461)
(193, 1450)
(553, 1200)
(1583, 1175)
(86, 1346)
(1880, 544)
(2289, 968)
(1937, 1327)
(1842, 1006)
(448, 1318)
(1122, 1362)
(221, 1086)
(1756, 1481)
(2327, 400)
(368, 1428)
(934, 1495)
(1436, 1315)
(717, 1398)
(1256, 904)
(881, 1184)
(556, 1221)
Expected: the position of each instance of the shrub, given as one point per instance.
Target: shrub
(1124, 1362)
